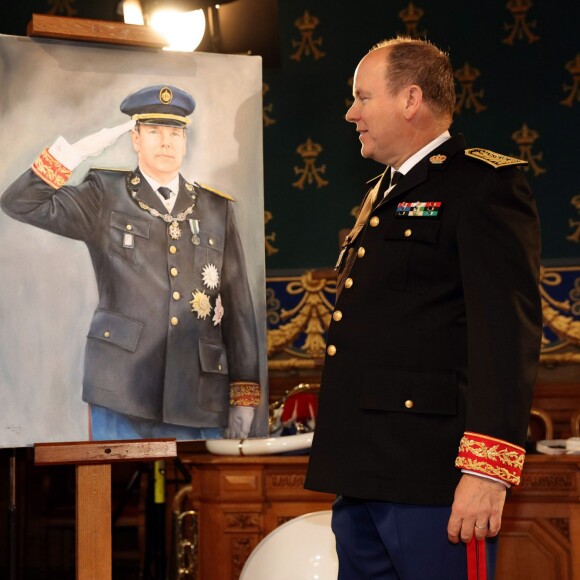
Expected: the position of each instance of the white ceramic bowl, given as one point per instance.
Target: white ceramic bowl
(269, 446)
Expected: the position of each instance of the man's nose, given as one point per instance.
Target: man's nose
(352, 114)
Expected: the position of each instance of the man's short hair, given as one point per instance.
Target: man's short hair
(411, 61)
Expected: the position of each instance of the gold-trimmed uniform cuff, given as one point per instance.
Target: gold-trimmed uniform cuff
(244, 394)
(490, 456)
(50, 170)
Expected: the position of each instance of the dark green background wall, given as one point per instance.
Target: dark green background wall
(527, 57)
(519, 83)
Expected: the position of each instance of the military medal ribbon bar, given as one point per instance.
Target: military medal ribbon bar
(419, 209)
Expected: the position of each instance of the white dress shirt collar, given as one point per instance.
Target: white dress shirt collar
(415, 158)
(173, 185)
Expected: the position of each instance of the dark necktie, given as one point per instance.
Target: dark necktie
(165, 192)
(396, 176)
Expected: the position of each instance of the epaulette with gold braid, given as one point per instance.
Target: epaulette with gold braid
(492, 158)
(216, 191)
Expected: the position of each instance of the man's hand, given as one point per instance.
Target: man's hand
(239, 422)
(96, 143)
(477, 508)
(71, 156)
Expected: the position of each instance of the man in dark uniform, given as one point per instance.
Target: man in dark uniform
(433, 348)
(172, 347)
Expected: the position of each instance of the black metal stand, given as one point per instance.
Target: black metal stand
(12, 546)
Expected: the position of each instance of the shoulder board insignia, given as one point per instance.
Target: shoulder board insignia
(216, 191)
(492, 158)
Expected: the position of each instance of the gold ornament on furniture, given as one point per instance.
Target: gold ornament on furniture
(520, 28)
(310, 316)
(525, 138)
(267, 109)
(270, 238)
(307, 45)
(573, 67)
(62, 7)
(310, 172)
(410, 17)
(559, 317)
(575, 236)
(468, 98)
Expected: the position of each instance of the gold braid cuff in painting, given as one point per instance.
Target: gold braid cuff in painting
(51, 170)
(244, 394)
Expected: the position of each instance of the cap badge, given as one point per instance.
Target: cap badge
(165, 95)
(437, 159)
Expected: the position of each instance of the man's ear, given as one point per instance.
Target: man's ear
(135, 139)
(413, 96)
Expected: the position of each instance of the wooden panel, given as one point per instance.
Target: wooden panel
(47, 26)
(103, 451)
(533, 549)
(541, 519)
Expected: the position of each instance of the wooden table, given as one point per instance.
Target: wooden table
(242, 499)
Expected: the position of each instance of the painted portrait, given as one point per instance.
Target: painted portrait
(132, 254)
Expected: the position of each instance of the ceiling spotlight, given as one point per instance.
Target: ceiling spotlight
(132, 12)
(183, 29)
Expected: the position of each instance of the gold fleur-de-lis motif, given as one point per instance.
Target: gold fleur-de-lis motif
(575, 235)
(573, 67)
(410, 17)
(310, 173)
(62, 7)
(468, 98)
(266, 109)
(525, 138)
(520, 29)
(270, 238)
(307, 45)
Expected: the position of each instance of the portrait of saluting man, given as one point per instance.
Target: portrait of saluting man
(172, 346)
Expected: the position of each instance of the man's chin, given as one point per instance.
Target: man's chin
(366, 153)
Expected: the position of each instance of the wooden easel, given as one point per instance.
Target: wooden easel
(93, 492)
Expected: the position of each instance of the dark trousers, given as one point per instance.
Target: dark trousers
(389, 541)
